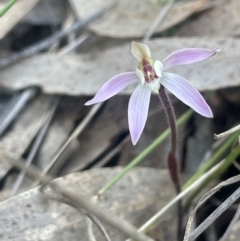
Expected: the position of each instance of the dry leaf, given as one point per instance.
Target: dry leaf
(132, 19)
(222, 20)
(14, 15)
(135, 198)
(84, 74)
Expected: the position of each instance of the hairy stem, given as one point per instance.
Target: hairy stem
(172, 160)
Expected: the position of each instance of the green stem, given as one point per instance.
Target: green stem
(7, 7)
(144, 153)
(212, 160)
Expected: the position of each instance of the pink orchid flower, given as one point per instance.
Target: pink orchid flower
(151, 74)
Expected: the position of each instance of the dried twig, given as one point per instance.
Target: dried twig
(211, 218)
(191, 236)
(226, 133)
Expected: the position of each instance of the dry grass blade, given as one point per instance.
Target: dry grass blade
(191, 236)
(211, 218)
(230, 226)
(226, 133)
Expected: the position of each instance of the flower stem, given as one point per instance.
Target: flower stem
(172, 160)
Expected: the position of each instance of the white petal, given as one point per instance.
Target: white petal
(140, 50)
(187, 56)
(113, 86)
(138, 111)
(158, 67)
(187, 93)
(140, 75)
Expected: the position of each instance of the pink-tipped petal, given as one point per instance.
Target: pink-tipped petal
(138, 111)
(187, 93)
(187, 56)
(113, 87)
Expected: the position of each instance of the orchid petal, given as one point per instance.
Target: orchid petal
(187, 93)
(113, 87)
(138, 111)
(140, 51)
(140, 75)
(187, 56)
(158, 67)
